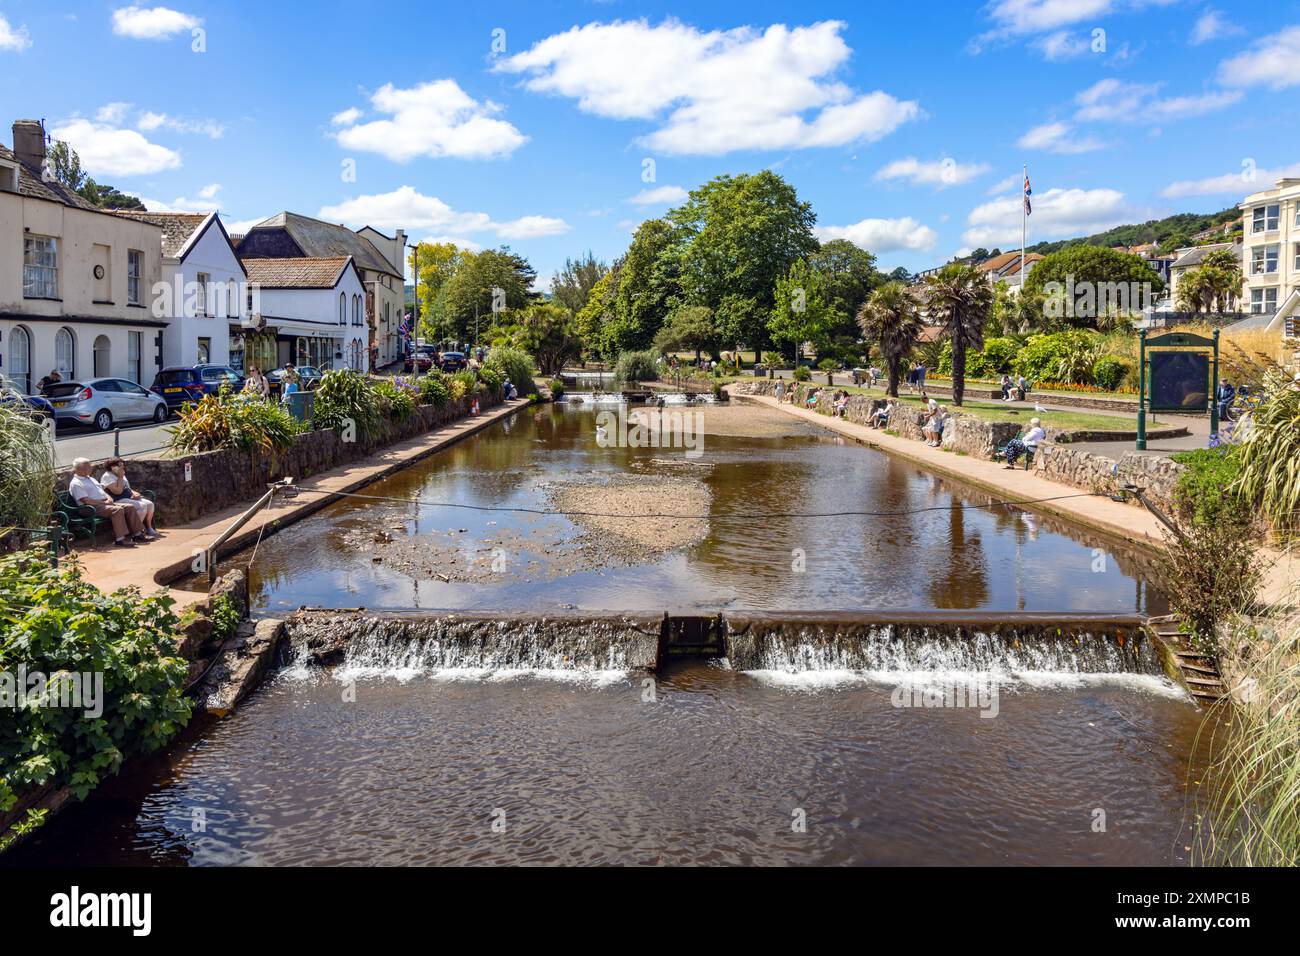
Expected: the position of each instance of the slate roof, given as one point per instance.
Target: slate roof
(1194, 257)
(177, 227)
(30, 184)
(1005, 261)
(318, 239)
(306, 273)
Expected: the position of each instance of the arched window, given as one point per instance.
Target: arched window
(103, 356)
(20, 359)
(343, 309)
(65, 354)
(356, 310)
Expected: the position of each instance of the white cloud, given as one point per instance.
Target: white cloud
(14, 40)
(1273, 61)
(1211, 25)
(150, 121)
(713, 92)
(1058, 213)
(660, 195)
(207, 200)
(1240, 183)
(1002, 185)
(1063, 45)
(1058, 138)
(112, 112)
(1020, 18)
(940, 173)
(435, 119)
(458, 241)
(152, 23)
(883, 235)
(406, 208)
(1113, 101)
(108, 151)
(238, 227)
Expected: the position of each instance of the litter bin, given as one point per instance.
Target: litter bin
(301, 405)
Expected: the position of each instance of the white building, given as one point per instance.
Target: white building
(1271, 261)
(204, 290)
(75, 280)
(312, 313)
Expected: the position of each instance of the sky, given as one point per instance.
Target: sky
(556, 128)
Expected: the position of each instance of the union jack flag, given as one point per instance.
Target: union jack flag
(1028, 192)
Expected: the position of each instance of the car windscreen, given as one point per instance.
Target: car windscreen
(174, 376)
(62, 389)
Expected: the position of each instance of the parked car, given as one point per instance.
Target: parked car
(189, 383)
(104, 402)
(40, 408)
(418, 361)
(453, 361)
(308, 378)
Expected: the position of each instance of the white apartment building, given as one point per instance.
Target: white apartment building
(1271, 257)
(75, 281)
(312, 313)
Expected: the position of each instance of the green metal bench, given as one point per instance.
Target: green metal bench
(1001, 453)
(81, 521)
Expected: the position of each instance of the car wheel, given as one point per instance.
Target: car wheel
(160, 413)
(103, 420)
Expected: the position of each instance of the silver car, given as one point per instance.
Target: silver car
(104, 402)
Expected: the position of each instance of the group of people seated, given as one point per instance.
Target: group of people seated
(112, 497)
(1014, 391)
(936, 416)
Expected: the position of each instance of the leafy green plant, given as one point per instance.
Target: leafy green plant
(394, 399)
(1043, 356)
(346, 397)
(1270, 456)
(801, 374)
(1109, 372)
(225, 618)
(515, 364)
(26, 467)
(557, 388)
(434, 389)
(1210, 571)
(227, 420)
(491, 377)
(636, 367)
(53, 622)
(1204, 492)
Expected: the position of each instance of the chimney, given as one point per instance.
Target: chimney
(400, 245)
(29, 143)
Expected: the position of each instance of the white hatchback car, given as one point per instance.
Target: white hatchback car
(103, 402)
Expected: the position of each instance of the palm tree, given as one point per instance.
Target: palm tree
(960, 296)
(891, 318)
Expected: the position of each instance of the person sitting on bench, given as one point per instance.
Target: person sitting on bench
(1025, 444)
(125, 517)
(880, 417)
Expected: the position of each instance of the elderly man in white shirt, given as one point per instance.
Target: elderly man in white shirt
(85, 490)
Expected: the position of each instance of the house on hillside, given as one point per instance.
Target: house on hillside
(1192, 257)
(1006, 268)
(75, 281)
(312, 312)
(1271, 260)
(378, 259)
(204, 292)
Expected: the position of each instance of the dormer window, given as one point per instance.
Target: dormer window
(8, 176)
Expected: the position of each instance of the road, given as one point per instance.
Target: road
(76, 442)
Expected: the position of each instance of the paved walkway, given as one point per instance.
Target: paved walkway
(1098, 513)
(160, 562)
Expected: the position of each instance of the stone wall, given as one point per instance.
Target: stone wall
(221, 479)
(1156, 474)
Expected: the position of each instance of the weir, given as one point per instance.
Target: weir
(770, 641)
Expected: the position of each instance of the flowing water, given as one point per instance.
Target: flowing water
(429, 751)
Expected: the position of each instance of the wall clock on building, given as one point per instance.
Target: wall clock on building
(99, 272)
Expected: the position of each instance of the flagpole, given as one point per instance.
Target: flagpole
(1024, 223)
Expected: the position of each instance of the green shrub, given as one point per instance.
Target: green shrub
(636, 367)
(801, 374)
(346, 397)
(53, 622)
(26, 468)
(227, 420)
(515, 364)
(1270, 456)
(1044, 357)
(1109, 372)
(557, 389)
(828, 365)
(434, 389)
(395, 400)
(492, 377)
(999, 355)
(1204, 493)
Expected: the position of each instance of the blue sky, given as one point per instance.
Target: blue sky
(531, 124)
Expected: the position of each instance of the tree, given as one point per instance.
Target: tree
(648, 289)
(63, 163)
(433, 264)
(1094, 274)
(900, 274)
(688, 327)
(549, 334)
(891, 319)
(736, 233)
(850, 275)
(467, 298)
(572, 285)
(598, 312)
(801, 313)
(107, 197)
(961, 297)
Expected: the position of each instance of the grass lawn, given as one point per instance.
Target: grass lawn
(1021, 412)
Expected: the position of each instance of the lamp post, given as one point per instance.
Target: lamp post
(1142, 390)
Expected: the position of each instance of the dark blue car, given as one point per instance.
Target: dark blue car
(41, 409)
(189, 383)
